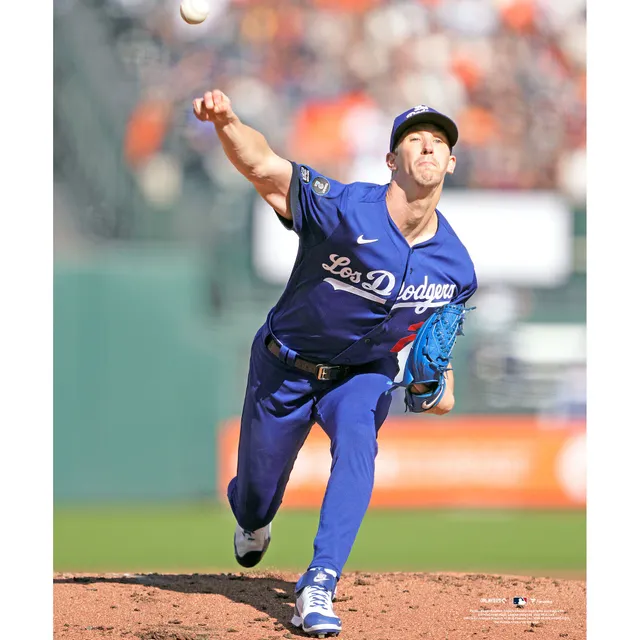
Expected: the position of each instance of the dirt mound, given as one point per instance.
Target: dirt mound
(373, 606)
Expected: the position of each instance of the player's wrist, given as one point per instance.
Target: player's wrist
(223, 120)
(445, 405)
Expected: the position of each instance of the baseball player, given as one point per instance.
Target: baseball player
(375, 263)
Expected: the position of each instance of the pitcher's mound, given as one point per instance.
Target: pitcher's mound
(372, 606)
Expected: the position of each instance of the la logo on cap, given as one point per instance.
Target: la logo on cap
(421, 108)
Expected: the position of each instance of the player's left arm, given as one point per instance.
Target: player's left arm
(447, 401)
(428, 378)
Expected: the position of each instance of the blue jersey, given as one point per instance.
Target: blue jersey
(358, 291)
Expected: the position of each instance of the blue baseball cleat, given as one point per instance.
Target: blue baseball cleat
(313, 610)
(250, 546)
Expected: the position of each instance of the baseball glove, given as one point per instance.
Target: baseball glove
(429, 357)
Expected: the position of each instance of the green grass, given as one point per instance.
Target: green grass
(198, 538)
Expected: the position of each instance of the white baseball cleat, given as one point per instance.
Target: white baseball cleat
(250, 546)
(313, 611)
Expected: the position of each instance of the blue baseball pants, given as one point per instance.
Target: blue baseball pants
(281, 404)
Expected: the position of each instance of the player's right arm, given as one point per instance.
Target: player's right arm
(248, 151)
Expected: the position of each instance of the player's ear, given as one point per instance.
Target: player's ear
(391, 161)
(451, 164)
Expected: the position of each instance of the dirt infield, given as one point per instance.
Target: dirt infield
(258, 606)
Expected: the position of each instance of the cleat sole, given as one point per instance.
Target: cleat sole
(251, 558)
(296, 621)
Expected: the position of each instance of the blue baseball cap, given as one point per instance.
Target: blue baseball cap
(417, 115)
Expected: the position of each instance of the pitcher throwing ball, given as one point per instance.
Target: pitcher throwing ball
(378, 267)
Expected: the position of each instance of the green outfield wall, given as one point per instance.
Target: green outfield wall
(151, 351)
(142, 374)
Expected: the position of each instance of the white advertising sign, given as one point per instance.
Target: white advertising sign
(520, 238)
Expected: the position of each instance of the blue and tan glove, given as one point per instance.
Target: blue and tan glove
(429, 357)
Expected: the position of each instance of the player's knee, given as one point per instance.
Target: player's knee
(355, 439)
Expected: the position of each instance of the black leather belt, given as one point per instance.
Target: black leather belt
(320, 371)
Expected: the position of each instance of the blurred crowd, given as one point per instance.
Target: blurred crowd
(323, 80)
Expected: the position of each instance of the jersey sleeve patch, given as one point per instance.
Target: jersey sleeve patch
(321, 186)
(316, 204)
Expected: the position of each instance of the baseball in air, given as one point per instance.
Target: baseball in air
(194, 11)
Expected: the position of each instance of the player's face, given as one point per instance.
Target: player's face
(423, 154)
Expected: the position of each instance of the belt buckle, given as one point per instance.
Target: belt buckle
(323, 371)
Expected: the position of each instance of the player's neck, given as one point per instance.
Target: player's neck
(414, 214)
